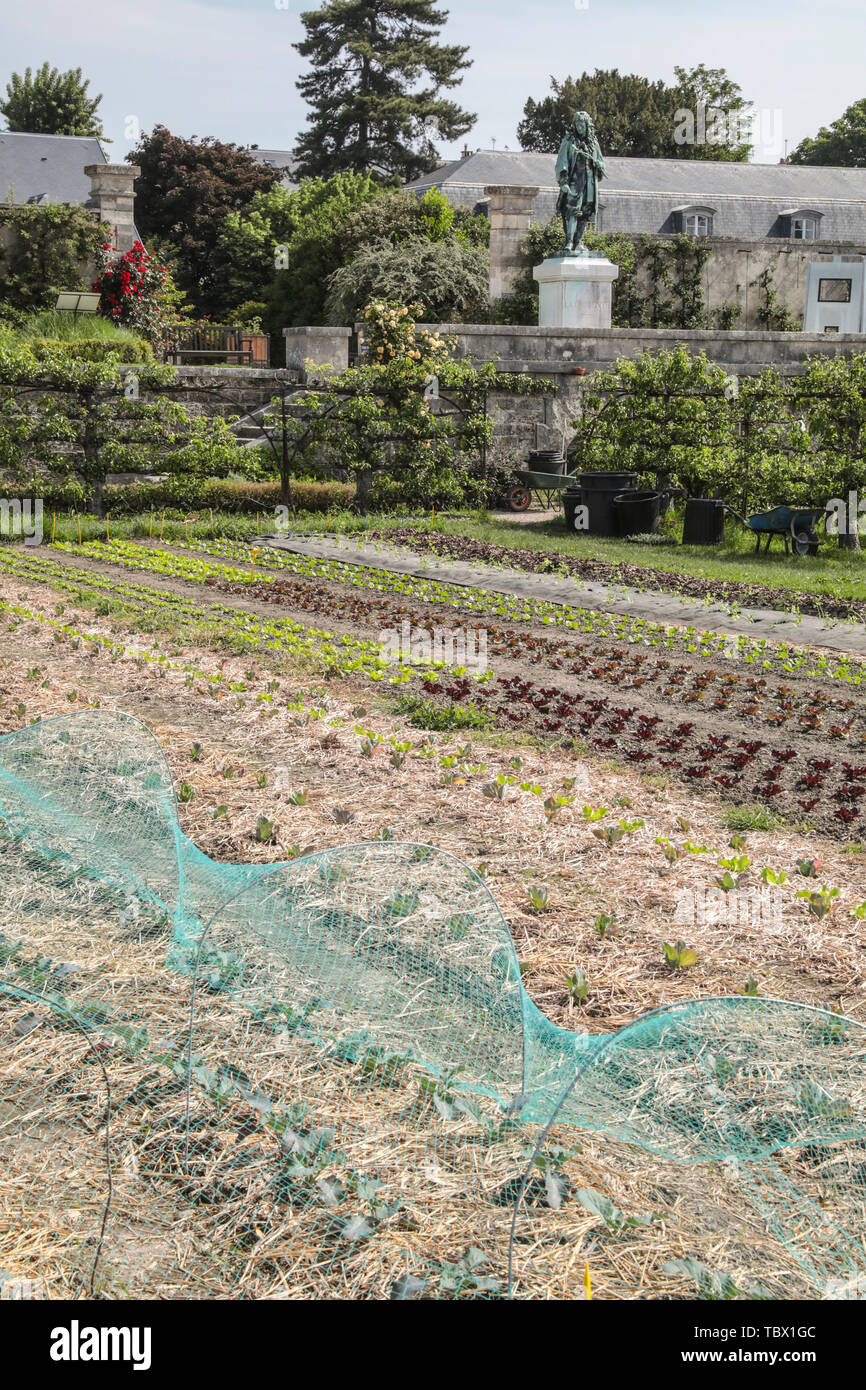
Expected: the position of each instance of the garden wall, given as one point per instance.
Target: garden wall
(556, 352)
(211, 391)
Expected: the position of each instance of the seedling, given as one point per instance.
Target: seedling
(577, 986)
(679, 956)
(299, 797)
(265, 832)
(538, 898)
(822, 903)
(185, 792)
(604, 925)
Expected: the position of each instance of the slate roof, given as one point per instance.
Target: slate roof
(640, 195)
(279, 159)
(49, 164)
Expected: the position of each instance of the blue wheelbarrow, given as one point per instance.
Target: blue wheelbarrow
(797, 525)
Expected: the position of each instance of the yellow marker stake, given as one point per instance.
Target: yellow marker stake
(257, 523)
(150, 532)
(78, 519)
(108, 526)
(587, 1282)
(53, 524)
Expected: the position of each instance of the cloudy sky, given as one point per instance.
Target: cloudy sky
(227, 67)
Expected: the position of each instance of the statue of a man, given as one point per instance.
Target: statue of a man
(579, 167)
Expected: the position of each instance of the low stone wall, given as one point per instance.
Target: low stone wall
(224, 391)
(557, 352)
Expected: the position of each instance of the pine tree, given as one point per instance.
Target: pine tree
(51, 103)
(375, 86)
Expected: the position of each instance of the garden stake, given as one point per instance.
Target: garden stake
(78, 519)
(150, 532)
(587, 1282)
(53, 524)
(108, 526)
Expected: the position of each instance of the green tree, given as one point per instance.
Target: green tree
(76, 421)
(183, 195)
(637, 117)
(632, 115)
(375, 88)
(449, 278)
(50, 102)
(842, 143)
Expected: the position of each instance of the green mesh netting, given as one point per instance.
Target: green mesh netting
(325, 1079)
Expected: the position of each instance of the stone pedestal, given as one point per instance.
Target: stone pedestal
(575, 291)
(112, 197)
(317, 347)
(510, 212)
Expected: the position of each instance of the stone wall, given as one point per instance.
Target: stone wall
(224, 391)
(557, 352)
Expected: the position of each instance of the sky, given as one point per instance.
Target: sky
(227, 68)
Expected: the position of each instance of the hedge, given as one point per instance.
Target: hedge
(190, 494)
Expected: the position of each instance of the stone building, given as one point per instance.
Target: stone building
(73, 169)
(754, 216)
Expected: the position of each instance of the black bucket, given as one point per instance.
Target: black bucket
(546, 461)
(597, 493)
(637, 513)
(704, 521)
(571, 500)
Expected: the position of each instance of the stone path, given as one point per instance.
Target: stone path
(831, 634)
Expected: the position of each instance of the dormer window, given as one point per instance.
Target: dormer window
(803, 224)
(695, 220)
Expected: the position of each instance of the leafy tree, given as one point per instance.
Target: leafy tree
(632, 115)
(449, 278)
(377, 74)
(77, 421)
(51, 103)
(635, 116)
(183, 195)
(375, 426)
(316, 248)
(49, 250)
(842, 143)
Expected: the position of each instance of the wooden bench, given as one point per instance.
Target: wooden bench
(205, 341)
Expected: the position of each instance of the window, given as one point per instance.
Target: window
(804, 228)
(834, 291)
(697, 224)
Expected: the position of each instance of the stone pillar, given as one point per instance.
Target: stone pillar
(112, 197)
(510, 219)
(317, 347)
(575, 291)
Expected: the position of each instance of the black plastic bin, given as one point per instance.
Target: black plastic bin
(704, 521)
(597, 494)
(546, 461)
(637, 513)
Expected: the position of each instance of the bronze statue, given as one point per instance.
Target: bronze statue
(579, 167)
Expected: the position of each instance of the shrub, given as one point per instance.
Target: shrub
(195, 494)
(92, 349)
(51, 247)
(450, 278)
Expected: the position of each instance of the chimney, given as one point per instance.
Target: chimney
(113, 200)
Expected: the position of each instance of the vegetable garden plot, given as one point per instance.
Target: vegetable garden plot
(326, 1078)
